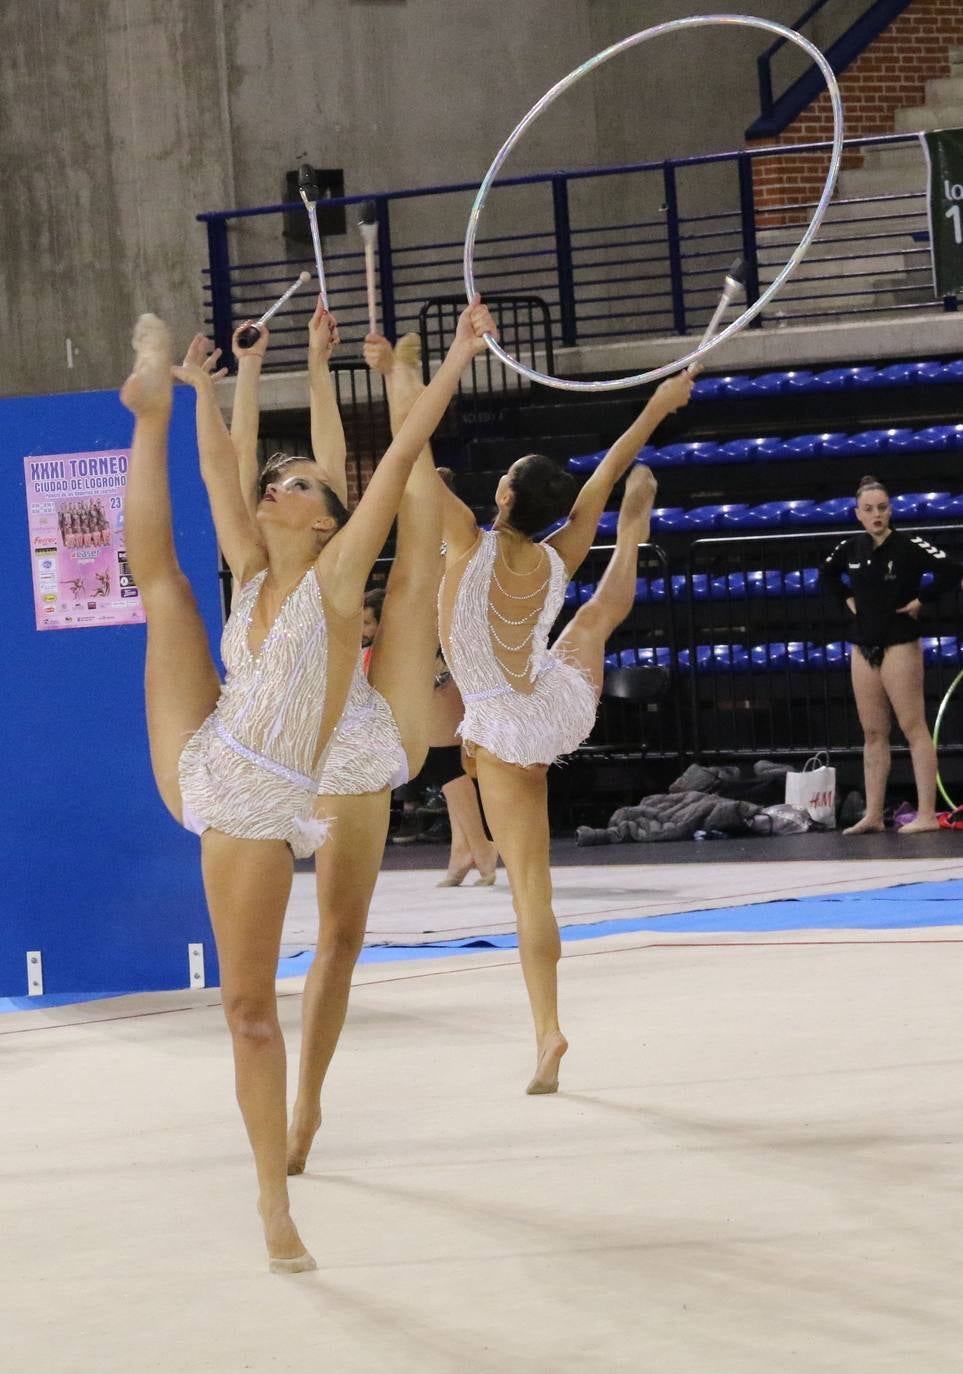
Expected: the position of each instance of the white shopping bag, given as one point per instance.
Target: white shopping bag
(814, 790)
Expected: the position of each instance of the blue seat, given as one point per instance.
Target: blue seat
(800, 380)
(874, 441)
(668, 518)
(765, 657)
(804, 513)
(803, 446)
(766, 582)
(710, 388)
(952, 372)
(897, 374)
(941, 649)
(837, 653)
(908, 506)
(659, 657)
(932, 504)
(770, 383)
(673, 456)
(738, 451)
(738, 385)
(706, 451)
(734, 518)
(656, 589)
(585, 462)
(701, 587)
(927, 370)
(775, 513)
(802, 583)
(945, 507)
(577, 593)
(841, 378)
(838, 510)
(805, 654)
(939, 438)
(608, 523)
(734, 657)
(714, 517)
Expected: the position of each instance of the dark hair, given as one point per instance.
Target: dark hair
(870, 484)
(374, 601)
(277, 462)
(543, 493)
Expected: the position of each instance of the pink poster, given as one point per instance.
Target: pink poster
(75, 515)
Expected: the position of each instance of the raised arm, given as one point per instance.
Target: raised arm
(327, 431)
(347, 560)
(236, 531)
(245, 415)
(403, 386)
(577, 535)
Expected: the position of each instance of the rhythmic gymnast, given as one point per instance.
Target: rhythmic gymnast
(239, 762)
(526, 704)
(384, 734)
(884, 599)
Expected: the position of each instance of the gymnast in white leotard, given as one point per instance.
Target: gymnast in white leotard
(240, 762)
(383, 734)
(525, 703)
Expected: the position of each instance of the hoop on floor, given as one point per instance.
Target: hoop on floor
(694, 21)
(936, 738)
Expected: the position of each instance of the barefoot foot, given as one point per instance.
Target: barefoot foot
(408, 350)
(867, 826)
(149, 387)
(640, 491)
(300, 1139)
(286, 1252)
(921, 824)
(550, 1053)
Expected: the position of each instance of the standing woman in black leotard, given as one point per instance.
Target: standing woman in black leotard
(884, 598)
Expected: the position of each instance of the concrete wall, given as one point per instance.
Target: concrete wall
(124, 117)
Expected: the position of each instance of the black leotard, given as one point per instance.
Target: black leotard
(884, 577)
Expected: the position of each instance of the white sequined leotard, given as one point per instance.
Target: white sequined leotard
(366, 755)
(252, 769)
(519, 727)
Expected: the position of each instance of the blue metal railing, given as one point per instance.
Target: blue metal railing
(776, 113)
(645, 266)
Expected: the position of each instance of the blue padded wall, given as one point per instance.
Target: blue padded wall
(95, 873)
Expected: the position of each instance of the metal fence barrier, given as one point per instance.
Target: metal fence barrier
(647, 265)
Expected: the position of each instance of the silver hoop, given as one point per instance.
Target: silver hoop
(694, 21)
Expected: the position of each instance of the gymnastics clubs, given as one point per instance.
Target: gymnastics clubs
(733, 287)
(368, 224)
(310, 195)
(249, 336)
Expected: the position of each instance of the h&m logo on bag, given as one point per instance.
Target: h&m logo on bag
(823, 799)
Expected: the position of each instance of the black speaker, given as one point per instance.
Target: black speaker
(331, 218)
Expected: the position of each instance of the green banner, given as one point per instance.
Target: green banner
(944, 154)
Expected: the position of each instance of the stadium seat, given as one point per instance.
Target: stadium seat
(716, 517)
(940, 438)
(667, 518)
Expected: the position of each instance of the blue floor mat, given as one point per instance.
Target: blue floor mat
(912, 905)
(905, 907)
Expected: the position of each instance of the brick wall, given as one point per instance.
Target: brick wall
(890, 75)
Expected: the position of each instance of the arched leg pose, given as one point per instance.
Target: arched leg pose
(525, 704)
(238, 762)
(384, 734)
(884, 595)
